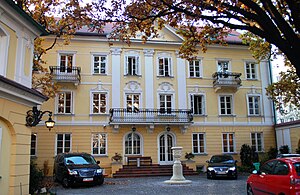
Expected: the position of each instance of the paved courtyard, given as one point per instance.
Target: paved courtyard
(156, 186)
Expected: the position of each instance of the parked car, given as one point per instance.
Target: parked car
(277, 176)
(287, 155)
(74, 168)
(222, 166)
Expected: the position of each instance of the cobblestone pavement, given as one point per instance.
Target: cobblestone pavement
(156, 186)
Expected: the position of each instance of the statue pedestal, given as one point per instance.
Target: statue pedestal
(177, 177)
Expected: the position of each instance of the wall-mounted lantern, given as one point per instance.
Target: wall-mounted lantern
(34, 116)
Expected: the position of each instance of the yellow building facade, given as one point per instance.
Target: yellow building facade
(288, 134)
(143, 99)
(17, 34)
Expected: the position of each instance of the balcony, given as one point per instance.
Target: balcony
(150, 116)
(226, 81)
(65, 75)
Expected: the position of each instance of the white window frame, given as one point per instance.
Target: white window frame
(172, 102)
(98, 140)
(57, 101)
(227, 144)
(139, 94)
(170, 66)
(192, 95)
(141, 144)
(198, 143)
(223, 60)
(63, 147)
(250, 70)
(232, 104)
(35, 147)
(60, 53)
(256, 141)
(200, 60)
(100, 55)
(259, 104)
(92, 102)
(138, 65)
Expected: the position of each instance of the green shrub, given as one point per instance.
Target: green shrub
(284, 149)
(36, 177)
(246, 155)
(272, 153)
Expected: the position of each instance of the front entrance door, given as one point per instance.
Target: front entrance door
(166, 142)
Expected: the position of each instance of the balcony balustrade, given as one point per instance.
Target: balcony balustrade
(150, 116)
(66, 75)
(227, 80)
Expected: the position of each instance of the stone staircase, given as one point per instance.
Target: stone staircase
(150, 171)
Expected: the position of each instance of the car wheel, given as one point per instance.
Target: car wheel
(65, 182)
(101, 181)
(249, 190)
(235, 177)
(208, 176)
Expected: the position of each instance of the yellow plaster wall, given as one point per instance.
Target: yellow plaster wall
(15, 148)
(295, 138)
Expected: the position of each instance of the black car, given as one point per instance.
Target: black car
(221, 166)
(73, 168)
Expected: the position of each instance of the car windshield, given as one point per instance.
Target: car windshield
(221, 159)
(297, 168)
(80, 160)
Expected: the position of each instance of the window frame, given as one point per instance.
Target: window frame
(66, 53)
(35, 145)
(256, 141)
(165, 102)
(92, 102)
(259, 104)
(228, 142)
(226, 109)
(63, 147)
(137, 65)
(200, 60)
(71, 103)
(250, 70)
(100, 55)
(170, 66)
(140, 141)
(132, 107)
(199, 143)
(191, 103)
(223, 60)
(99, 143)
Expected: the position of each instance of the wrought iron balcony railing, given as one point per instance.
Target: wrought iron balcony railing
(224, 80)
(150, 116)
(65, 74)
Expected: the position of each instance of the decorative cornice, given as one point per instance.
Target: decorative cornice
(148, 52)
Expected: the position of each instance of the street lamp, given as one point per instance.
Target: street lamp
(34, 116)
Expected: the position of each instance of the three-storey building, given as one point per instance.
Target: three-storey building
(144, 99)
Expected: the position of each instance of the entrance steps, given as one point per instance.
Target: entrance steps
(150, 171)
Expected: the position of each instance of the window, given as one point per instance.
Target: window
(99, 64)
(254, 105)
(281, 168)
(66, 62)
(226, 105)
(228, 142)
(198, 143)
(64, 105)
(197, 104)
(33, 144)
(132, 65)
(195, 68)
(132, 143)
(164, 66)
(165, 104)
(223, 66)
(257, 141)
(63, 143)
(251, 70)
(99, 141)
(268, 167)
(99, 103)
(132, 102)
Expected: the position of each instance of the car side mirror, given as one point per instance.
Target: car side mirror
(98, 162)
(257, 172)
(207, 161)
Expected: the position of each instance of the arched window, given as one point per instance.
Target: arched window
(132, 144)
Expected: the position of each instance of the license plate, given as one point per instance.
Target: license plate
(87, 179)
(221, 172)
